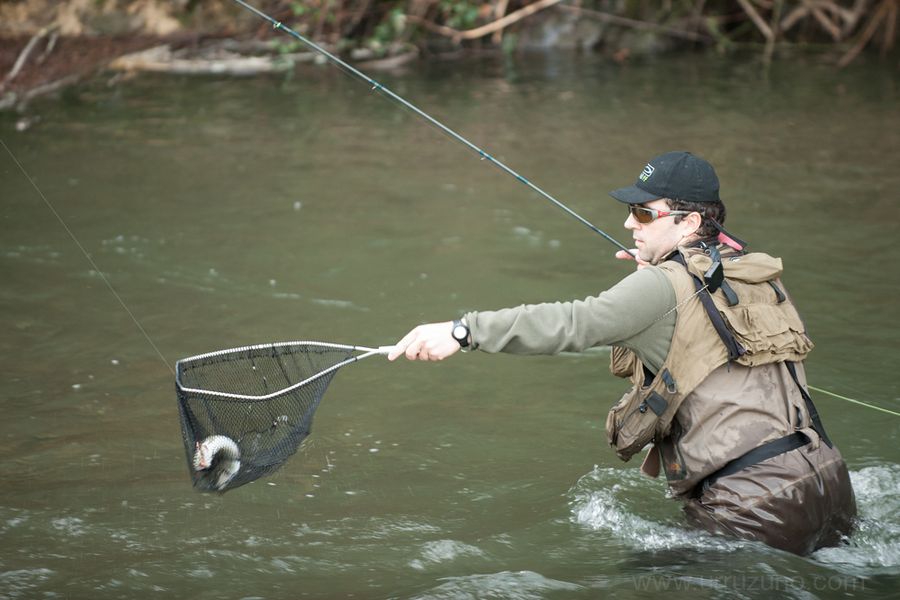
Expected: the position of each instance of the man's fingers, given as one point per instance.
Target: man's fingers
(400, 347)
(632, 255)
(432, 341)
(415, 348)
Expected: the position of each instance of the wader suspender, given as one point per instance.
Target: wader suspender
(773, 448)
(735, 350)
(770, 449)
(810, 407)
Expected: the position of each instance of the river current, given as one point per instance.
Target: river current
(227, 212)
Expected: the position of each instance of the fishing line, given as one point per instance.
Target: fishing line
(387, 92)
(384, 90)
(872, 406)
(87, 256)
(812, 387)
(484, 155)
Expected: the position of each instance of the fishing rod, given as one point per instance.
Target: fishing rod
(484, 155)
(144, 333)
(393, 96)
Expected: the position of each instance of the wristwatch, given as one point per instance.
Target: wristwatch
(460, 333)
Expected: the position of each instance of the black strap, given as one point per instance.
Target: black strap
(729, 294)
(757, 455)
(735, 350)
(778, 293)
(810, 407)
(775, 447)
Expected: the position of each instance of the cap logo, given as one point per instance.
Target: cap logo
(647, 172)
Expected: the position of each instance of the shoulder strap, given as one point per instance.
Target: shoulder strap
(810, 407)
(735, 350)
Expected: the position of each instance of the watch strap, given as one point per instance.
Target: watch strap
(460, 333)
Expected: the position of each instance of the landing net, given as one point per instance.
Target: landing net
(245, 411)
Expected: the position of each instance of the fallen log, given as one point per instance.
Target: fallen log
(162, 59)
(493, 27)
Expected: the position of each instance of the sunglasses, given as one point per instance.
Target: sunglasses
(645, 215)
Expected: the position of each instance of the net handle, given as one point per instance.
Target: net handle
(367, 352)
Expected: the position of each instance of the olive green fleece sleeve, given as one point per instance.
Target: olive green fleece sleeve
(621, 315)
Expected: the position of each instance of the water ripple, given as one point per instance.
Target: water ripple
(521, 585)
(599, 504)
(17, 584)
(441, 551)
(875, 547)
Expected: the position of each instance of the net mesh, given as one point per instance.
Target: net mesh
(252, 437)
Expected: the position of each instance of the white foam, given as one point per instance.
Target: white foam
(386, 528)
(521, 585)
(334, 303)
(282, 565)
(201, 573)
(875, 546)
(15, 521)
(598, 506)
(72, 526)
(18, 584)
(441, 551)
(602, 502)
(534, 238)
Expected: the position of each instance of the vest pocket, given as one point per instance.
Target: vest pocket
(768, 329)
(622, 361)
(631, 423)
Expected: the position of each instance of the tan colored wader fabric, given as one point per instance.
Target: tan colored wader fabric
(798, 501)
(735, 410)
(752, 406)
(727, 409)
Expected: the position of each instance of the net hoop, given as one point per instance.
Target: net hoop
(184, 363)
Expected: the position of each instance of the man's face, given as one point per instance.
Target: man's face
(657, 239)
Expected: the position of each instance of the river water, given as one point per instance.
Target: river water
(228, 212)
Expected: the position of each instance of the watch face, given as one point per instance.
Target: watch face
(460, 332)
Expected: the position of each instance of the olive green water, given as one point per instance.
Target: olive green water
(228, 212)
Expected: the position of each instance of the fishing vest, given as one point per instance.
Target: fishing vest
(736, 339)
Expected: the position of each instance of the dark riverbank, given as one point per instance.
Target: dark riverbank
(46, 47)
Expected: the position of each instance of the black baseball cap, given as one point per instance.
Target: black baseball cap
(674, 175)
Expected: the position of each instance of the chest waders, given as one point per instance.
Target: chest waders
(743, 317)
(773, 448)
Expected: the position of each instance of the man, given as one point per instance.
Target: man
(713, 346)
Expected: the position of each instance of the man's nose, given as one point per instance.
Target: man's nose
(631, 222)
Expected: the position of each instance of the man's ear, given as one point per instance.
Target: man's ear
(694, 221)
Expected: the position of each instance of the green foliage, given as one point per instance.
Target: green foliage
(509, 43)
(388, 30)
(287, 45)
(315, 9)
(460, 14)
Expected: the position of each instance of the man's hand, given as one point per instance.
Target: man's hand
(622, 255)
(433, 341)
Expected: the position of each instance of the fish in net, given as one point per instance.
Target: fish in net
(245, 411)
